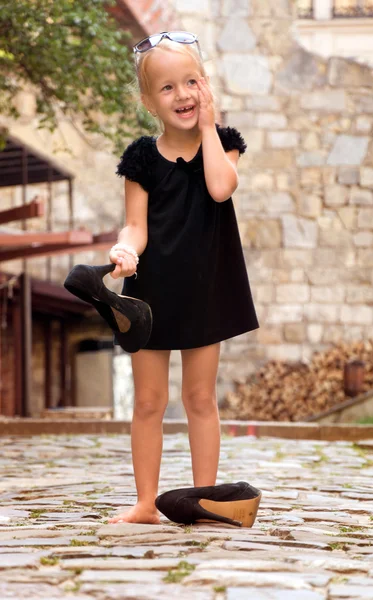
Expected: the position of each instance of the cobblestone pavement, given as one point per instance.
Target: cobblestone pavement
(313, 538)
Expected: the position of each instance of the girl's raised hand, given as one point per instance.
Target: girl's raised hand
(206, 105)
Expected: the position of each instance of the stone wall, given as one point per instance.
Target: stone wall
(305, 200)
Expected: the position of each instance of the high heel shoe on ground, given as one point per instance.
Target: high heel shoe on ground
(129, 318)
(232, 503)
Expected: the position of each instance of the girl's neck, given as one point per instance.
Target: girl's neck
(177, 139)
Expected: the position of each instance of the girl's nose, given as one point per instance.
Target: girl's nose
(183, 94)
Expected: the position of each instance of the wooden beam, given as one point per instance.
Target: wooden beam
(45, 237)
(34, 209)
(101, 241)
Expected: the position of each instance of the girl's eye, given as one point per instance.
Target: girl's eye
(166, 88)
(192, 82)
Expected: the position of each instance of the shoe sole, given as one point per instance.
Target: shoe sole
(244, 511)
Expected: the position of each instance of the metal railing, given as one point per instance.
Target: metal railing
(348, 9)
(353, 8)
(305, 9)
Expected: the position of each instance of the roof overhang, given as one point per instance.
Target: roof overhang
(20, 164)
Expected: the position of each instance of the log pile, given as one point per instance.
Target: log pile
(284, 391)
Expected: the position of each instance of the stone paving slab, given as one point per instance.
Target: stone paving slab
(313, 538)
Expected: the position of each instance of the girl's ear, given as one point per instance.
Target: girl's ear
(148, 104)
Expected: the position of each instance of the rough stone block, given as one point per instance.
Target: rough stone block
(290, 258)
(363, 238)
(348, 175)
(285, 313)
(295, 332)
(269, 335)
(270, 120)
(239, 8)
(366, 177)
(361, 196)
(292, 293)
(348, 216)
(349, 73)
(287, 352)
(335, 195)
(359, 294)
(365, 218)
(315, 158)
(335, 238)
(310, 178)
(358, 313)
(273, 159)
(324, 313)
(329, 100)
(283, 139)
(311, 141)
(328, 294)
(363, 124)
(236, 36)
(302, 71)
(254, 140)
(246, 74)
(285, 181)
(264, 103)
(365, 257)
(321, 276)
(298, 232)
(264, 293)
(329, 175)
(243, 120)
(363, 103)
(310, 205)
(229, 103)
(280, 203)
(348, 150)
(263, 234)
(262, 181)
(315, 332)
(200, 7)
(297, 276)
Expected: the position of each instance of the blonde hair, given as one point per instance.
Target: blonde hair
(142, 59)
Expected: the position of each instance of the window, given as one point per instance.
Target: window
(353, 8)
(326, 9)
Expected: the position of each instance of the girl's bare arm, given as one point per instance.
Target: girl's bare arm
(135, 231)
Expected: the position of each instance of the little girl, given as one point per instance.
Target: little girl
(180, 221)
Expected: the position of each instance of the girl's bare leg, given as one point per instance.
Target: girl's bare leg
(150, 374)
(200, 367)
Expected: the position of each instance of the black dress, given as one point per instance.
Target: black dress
(192, 272)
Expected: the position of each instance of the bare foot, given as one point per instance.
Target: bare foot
(140, 513)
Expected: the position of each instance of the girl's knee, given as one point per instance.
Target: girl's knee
(150, 405)
(200, 403)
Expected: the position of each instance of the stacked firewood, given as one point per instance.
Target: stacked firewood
(284, 391)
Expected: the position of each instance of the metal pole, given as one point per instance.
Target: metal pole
(24, 194)
(27, 341)
(49, 220)
(71, 217)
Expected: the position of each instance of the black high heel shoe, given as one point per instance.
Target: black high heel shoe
(232, 503)
(129, 318)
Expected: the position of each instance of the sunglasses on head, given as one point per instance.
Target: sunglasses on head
(182, 37)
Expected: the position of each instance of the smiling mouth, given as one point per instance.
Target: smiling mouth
(185, 110)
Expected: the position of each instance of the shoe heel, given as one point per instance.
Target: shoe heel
(202, 513)
(243, 511)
